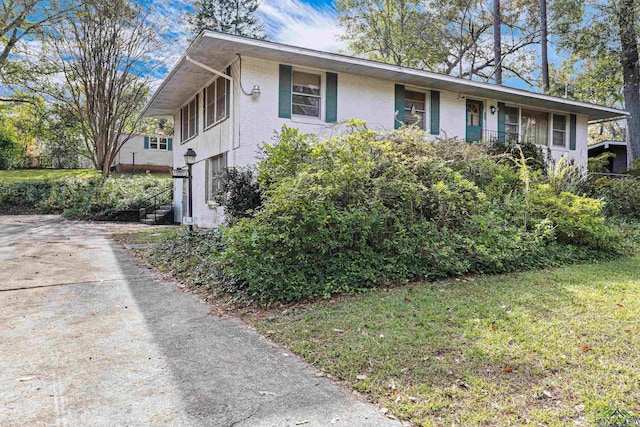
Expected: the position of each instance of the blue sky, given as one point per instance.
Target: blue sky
(306, 23)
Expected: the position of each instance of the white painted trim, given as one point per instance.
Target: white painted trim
(606, 144)
(410, 71)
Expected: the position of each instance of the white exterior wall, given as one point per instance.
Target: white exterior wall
(255, 121)
(143, 156)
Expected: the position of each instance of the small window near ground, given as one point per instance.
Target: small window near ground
(414, 108)
(216, 167)
(306, 94)
(189, 120)
(559, 130)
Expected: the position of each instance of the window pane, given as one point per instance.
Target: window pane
(306, 105)
(184, 130)
(535, 127)
(559, 122)
(416, 99)
(210, 105)
(221, 95)
(305, 83)
(558, 138)
(192, 118)
(473, 114)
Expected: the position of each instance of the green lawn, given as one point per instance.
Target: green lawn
(558, 347)
(40, 174)
(22, 175)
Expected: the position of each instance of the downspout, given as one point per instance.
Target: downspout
(231, 99)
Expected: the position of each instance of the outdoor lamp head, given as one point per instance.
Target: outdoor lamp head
(190, 157)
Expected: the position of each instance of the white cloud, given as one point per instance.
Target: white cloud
(301, 24)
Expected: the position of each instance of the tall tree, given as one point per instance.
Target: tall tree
(105, 53)
(497, 41)
(390, 31)
(227, 16)
(20, 19)
(447, 36)
(626, 17)
(605, 37)
(544, 45)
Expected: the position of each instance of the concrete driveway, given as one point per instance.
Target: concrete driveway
(88, 338)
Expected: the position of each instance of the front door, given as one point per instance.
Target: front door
(474, 120)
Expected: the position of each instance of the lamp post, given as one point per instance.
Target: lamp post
(190, 159)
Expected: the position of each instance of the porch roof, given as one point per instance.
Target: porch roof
(218, 50)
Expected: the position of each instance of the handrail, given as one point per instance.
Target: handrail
(155, 204)
(166, 190)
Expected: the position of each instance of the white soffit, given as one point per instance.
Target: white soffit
(217, 50)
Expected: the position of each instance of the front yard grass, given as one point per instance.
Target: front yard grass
(24, 175)
(557, 347)
(554, 347)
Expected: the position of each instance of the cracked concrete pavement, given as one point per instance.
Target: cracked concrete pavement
(87, 337)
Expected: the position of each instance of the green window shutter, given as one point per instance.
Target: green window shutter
(399, 107)
(332, 98)
(572, 131)
(502, 120)
(284, 102)
(435, 112)
(170, 144)
(146, 142)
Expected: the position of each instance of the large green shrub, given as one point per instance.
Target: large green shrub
(365, 208)
(622, 196)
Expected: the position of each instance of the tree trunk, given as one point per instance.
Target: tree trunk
(497, 41)
(631, 74)
(544, 44)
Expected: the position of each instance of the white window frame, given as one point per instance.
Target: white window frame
(320, 97)
(187, 107)
(158, 143)
(214, 85)
(215, 175)
(554, 130)
(421, 124)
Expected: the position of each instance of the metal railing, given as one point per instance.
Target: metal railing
(499, 136)
(155, 205)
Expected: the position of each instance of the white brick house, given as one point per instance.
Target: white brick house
(142, 153)
(229, 94)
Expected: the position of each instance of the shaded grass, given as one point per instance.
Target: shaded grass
(23, 175)
(553, 347)
(143, 237)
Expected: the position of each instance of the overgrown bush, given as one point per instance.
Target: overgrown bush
(366, 208)
(82, 198)
(369, 208)
(622, 196)
(240, 195)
